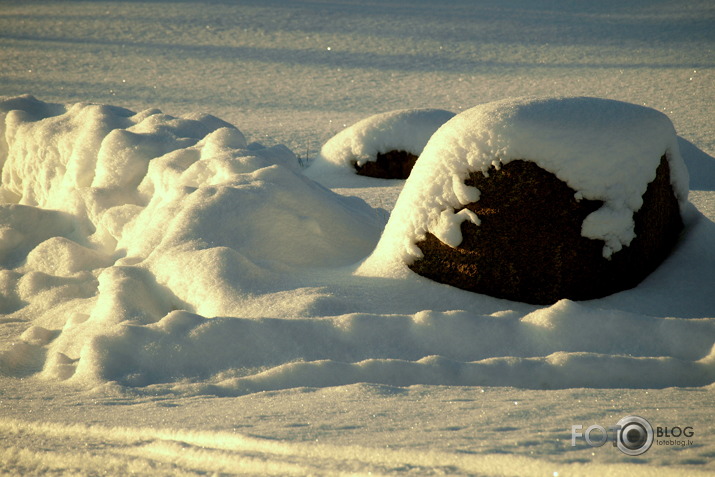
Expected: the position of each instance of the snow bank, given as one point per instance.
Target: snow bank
(566, 346)
(604, 150)
(403, 130)
(113, 217)
(148, 250)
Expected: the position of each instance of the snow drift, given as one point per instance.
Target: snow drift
(157, 251)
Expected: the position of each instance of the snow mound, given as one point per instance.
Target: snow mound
(136, 184)
(405, 130)
(603, 149)
(112, 216)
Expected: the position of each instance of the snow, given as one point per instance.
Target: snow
(604, 150)
(178, 295)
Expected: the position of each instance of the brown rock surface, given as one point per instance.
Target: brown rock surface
(529, 246)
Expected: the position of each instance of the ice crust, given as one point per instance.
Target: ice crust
(604, 150)
(406, 130)
(153, 251)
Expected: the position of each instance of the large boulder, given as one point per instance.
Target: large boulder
(528, 246)
(536, 200)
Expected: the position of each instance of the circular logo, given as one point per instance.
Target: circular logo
(634, 435)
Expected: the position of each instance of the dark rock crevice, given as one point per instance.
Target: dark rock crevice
(389, 165)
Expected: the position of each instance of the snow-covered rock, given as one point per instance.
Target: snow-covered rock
(604, 151)
(366, 146)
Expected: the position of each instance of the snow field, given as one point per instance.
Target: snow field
(416, 429)
(298, 73)
(159, 451)
(201, 263)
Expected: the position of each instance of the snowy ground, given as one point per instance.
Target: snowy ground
(154, 325)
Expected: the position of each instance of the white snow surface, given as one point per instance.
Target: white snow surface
(170, 235)
(604, 150)
(178, 296)
(403, 130)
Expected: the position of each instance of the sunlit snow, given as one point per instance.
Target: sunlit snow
(180, 293)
